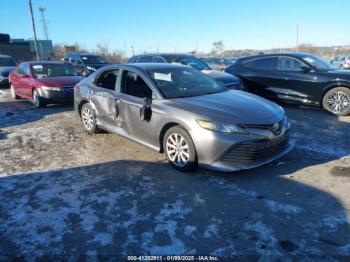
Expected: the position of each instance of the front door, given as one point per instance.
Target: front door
(295, 84)
(133, 91)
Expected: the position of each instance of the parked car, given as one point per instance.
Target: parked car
(231, 82)
(43, 82)
(7, 64)
(84, 63)
(217, 63)
(296, 77)
(341, 62)
(180, 111)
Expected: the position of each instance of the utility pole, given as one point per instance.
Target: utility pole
(42, 10)
(34, 32)
(133, 50)
(297, 47)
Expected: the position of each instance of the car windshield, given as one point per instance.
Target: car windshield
(7, 61)
(318, 63)
(184, 82)
(193, 62)
(52, 70)
(93, 59)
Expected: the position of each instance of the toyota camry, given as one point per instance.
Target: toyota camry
(184, 113)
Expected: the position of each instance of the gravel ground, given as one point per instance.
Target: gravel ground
(66, 193)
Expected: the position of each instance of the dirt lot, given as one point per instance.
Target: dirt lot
(63, 192)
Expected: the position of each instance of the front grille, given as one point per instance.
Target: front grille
(234, 86)
(276, 130)
(255, 152)
(68, 89)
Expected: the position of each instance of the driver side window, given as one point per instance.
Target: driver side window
(289, 64)
(132, 84)
(108, 79)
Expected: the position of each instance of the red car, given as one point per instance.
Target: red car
(43, 82)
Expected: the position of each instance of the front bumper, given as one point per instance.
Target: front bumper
(65, 95)
(229, 153)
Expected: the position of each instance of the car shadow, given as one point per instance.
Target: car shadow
(130, 207)
(21, 112)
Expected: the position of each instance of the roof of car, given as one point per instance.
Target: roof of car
(164, 54)
(147, 66)
(44, 62)
(293, 54)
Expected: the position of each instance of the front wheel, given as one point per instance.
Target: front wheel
(337, 101)
(38, 101)
(180, 150)
(13, 92)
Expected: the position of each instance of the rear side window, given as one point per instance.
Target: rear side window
(145, 59)
(158, 59)
(266, 63)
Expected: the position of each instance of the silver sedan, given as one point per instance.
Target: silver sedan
(177, 110)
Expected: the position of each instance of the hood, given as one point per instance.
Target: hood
(232, 106)
(7, 69)
(220, 76)
(60, 80)
(341, 74)
(97, 66)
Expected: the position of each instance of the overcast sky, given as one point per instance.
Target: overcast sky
(182, 25)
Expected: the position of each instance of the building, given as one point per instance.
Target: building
(20, 51)
(45, 47)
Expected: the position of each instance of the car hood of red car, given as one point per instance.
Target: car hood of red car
(60, 80)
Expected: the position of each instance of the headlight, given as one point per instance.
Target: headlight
(223, 128)
(51, 88)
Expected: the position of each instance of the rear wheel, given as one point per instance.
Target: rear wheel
(180, 150)
(13, 92)
(337, 101)
(88, 119)
(38, 101)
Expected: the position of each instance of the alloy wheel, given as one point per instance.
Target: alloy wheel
(177, 149)
(338, 102)
(87, 117)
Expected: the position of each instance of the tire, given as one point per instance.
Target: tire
(337, 101)
(38, 101)
(13, 92)
(182, 157)
(88, 119)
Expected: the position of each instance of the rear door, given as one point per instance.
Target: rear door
(258, 75)
(23, 81)
(103, 96)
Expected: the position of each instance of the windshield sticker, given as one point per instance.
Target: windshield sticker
(84, 58)
(163, 77)
(38, 67)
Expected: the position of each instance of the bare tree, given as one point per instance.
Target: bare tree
(218, 47)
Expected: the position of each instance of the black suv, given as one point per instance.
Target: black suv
(296, 77)
(230, 81)
(85, 64)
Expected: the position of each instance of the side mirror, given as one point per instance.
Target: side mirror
(305, 69)
(146, 110)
